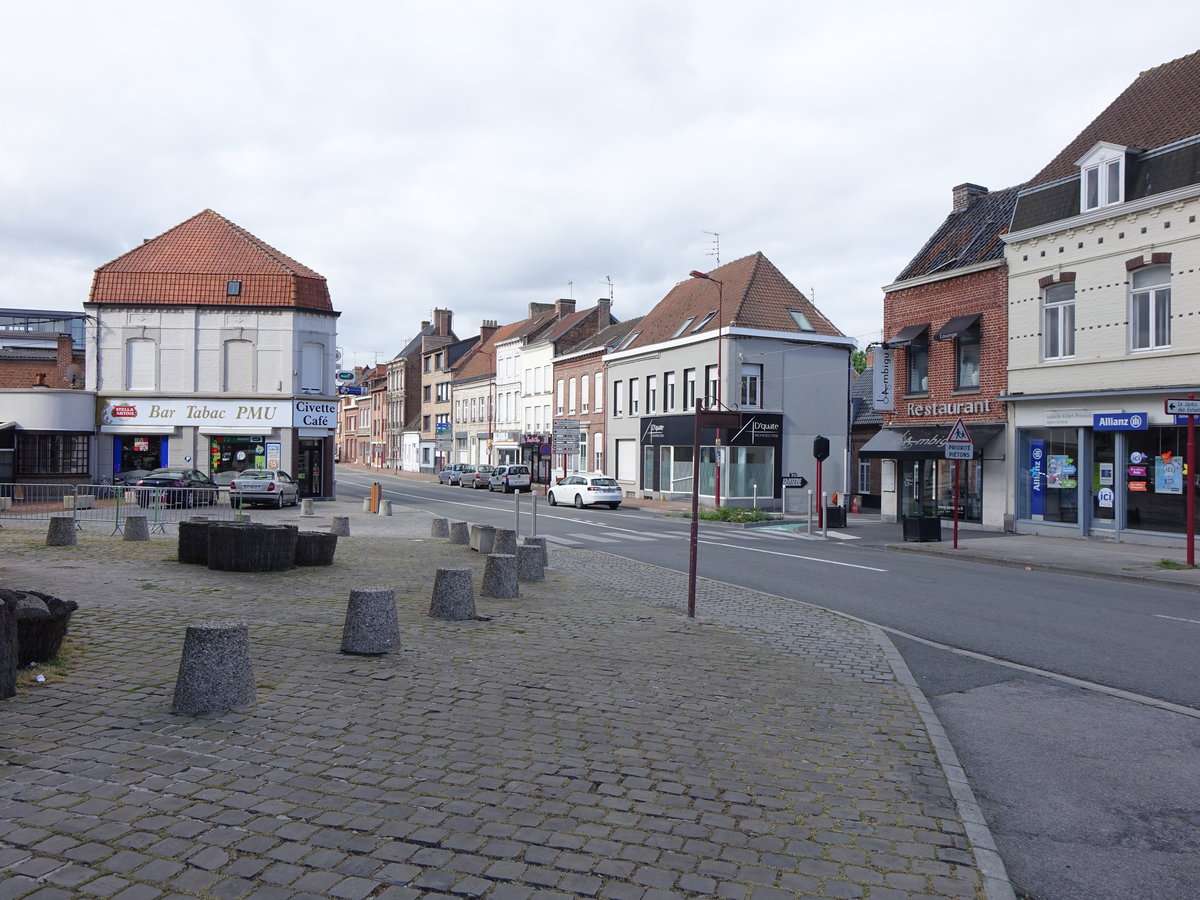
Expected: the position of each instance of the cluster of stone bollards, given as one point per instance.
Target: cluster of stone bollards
(507, 563)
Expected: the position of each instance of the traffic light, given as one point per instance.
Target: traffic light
(820, 448)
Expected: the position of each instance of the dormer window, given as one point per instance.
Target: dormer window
(1102, 177)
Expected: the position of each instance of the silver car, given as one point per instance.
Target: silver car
(263, 487)
(451, 473)
(476, 476)
(510, 478)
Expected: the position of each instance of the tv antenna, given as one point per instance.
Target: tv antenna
(608, 280)
(716, 247)
(570, 290)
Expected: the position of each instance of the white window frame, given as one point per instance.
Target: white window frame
(651, 393)
(1150, 300)
(598, 392)
(585, 399)
(668, 391)
(1102, 177)
(570, 396)
(1058, 321)
(618, 405)
(635, 396)
(560, 405)
(752, 377)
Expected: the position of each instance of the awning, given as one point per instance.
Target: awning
(956, 326)
(923, 441)
(232, 431)
(138, 429)
(907, 335)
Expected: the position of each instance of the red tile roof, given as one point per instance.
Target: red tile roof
(481, 360)
(756, 295)
(1160, 107)
(192, 263)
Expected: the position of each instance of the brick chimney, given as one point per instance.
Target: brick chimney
(966, 194)
(487, 328)
(441, 321)
(563, 308)
(603, 313)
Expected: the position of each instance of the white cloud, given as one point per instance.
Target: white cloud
(479, 155)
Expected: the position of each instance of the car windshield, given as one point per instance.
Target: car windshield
(167, 473)
(518, 470)
(604, 482)
(256, 475)
(486, 469)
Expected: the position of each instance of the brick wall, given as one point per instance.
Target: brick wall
(24, 373)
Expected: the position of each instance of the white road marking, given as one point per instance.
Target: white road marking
(829, 562)
(1177, 619)
(597, 538)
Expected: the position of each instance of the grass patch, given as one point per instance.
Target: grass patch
(734, 514)
(1172, 564)
(56, 669)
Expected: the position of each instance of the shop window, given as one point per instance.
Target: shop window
(1155, 486)
(52, 454)
(1050, 476)
(1058, 321)
(1150, 308)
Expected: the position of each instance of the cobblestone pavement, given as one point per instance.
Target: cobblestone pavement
(585, 740)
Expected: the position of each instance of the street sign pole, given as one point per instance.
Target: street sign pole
(1191, 408)
(956, 504)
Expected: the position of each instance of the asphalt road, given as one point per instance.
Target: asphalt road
(1090, 795)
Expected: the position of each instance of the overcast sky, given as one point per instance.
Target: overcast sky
(482, 155)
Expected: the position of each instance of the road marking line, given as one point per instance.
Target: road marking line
(566, 542)
(830, 562)
(597, 538)
(1177, 619)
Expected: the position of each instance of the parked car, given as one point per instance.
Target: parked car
(264, 487)
(176, 487)
(477, 477)
(451, 473)
(509, 478)
(586, 490)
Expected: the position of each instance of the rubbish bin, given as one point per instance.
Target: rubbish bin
(922, 528)
(835, 517)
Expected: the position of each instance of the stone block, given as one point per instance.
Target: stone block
(61, 532)
(529, 563)
(500, 577)
(453, 595)
(215, 673)
(439, 527)
(459, 533)
(482, 538)
(541, 543)
(340, 526)
(136, 529)
(506, 541)
(371, 627)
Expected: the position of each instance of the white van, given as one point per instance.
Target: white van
(510, 478)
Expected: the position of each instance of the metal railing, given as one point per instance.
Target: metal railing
(107, 505)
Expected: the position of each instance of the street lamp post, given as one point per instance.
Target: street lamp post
(720, 330)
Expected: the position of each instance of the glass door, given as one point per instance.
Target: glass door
(1105, 481)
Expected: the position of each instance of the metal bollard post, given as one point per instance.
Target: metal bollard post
(755, 496)
(517, 506)
(825, 519)
(810, 510)
(533, 496)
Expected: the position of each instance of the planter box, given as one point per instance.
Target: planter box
(79, 501)
(835, 517)
(922, 528)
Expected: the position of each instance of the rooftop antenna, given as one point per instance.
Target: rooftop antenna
(716, 247)
(608, 280)
(570, 290)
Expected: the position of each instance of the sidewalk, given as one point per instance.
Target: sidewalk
(586, 740)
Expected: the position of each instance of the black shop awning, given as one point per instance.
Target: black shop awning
(907, 335)
(957, 326)
(922, 441)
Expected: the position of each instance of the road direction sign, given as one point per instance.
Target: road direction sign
(351, 389)
(1182, 407)
(793, 480)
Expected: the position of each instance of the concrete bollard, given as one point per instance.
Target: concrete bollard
(529, 563)
(453, 595)
(439, 528)
(306, 508)
(366, 504)
(500, 577)
(371, 627)
(136, 529)
(483, 538)
(539, 542)
(61, 532)
(459, 533)
(506, 541)
(340, 526)
(215, 674)
(385, 508)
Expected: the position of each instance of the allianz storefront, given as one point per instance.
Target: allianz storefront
(218, 435)
(1111, 466)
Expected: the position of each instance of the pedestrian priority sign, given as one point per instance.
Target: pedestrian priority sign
(958, 434)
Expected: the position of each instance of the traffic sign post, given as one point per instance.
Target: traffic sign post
(1190, 408)
(958, 446)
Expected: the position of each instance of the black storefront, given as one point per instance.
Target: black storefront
(752, 465)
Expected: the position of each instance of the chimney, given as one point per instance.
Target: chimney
(487, 328)
(39, 380)
(441, 321)
(966, 194)
(537, 309)
(65, 352)
(603, 313)
(563, 308)
(424, 324)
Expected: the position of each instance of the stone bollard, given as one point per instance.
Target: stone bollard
(340, 526)
(506, 541)
(215, 674)
(500, 577)
(136, 529)
(539, 542)
(385, 508)
(483, 538)
(529, 563)
(459, 533)
(439, 528)
(366, 504)
(371, 625)
(453, 595)
(61, 532)
(306, 508)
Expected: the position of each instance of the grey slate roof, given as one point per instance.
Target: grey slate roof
(966, 238)
(862, 407)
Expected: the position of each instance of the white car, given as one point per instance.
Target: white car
(586, 490)
(265, 487)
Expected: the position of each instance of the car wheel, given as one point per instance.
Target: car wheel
(550, 498)
(613, 505)
(279, 501)
(579, 501)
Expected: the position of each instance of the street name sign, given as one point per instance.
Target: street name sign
(792, 480)
(1182, 407)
